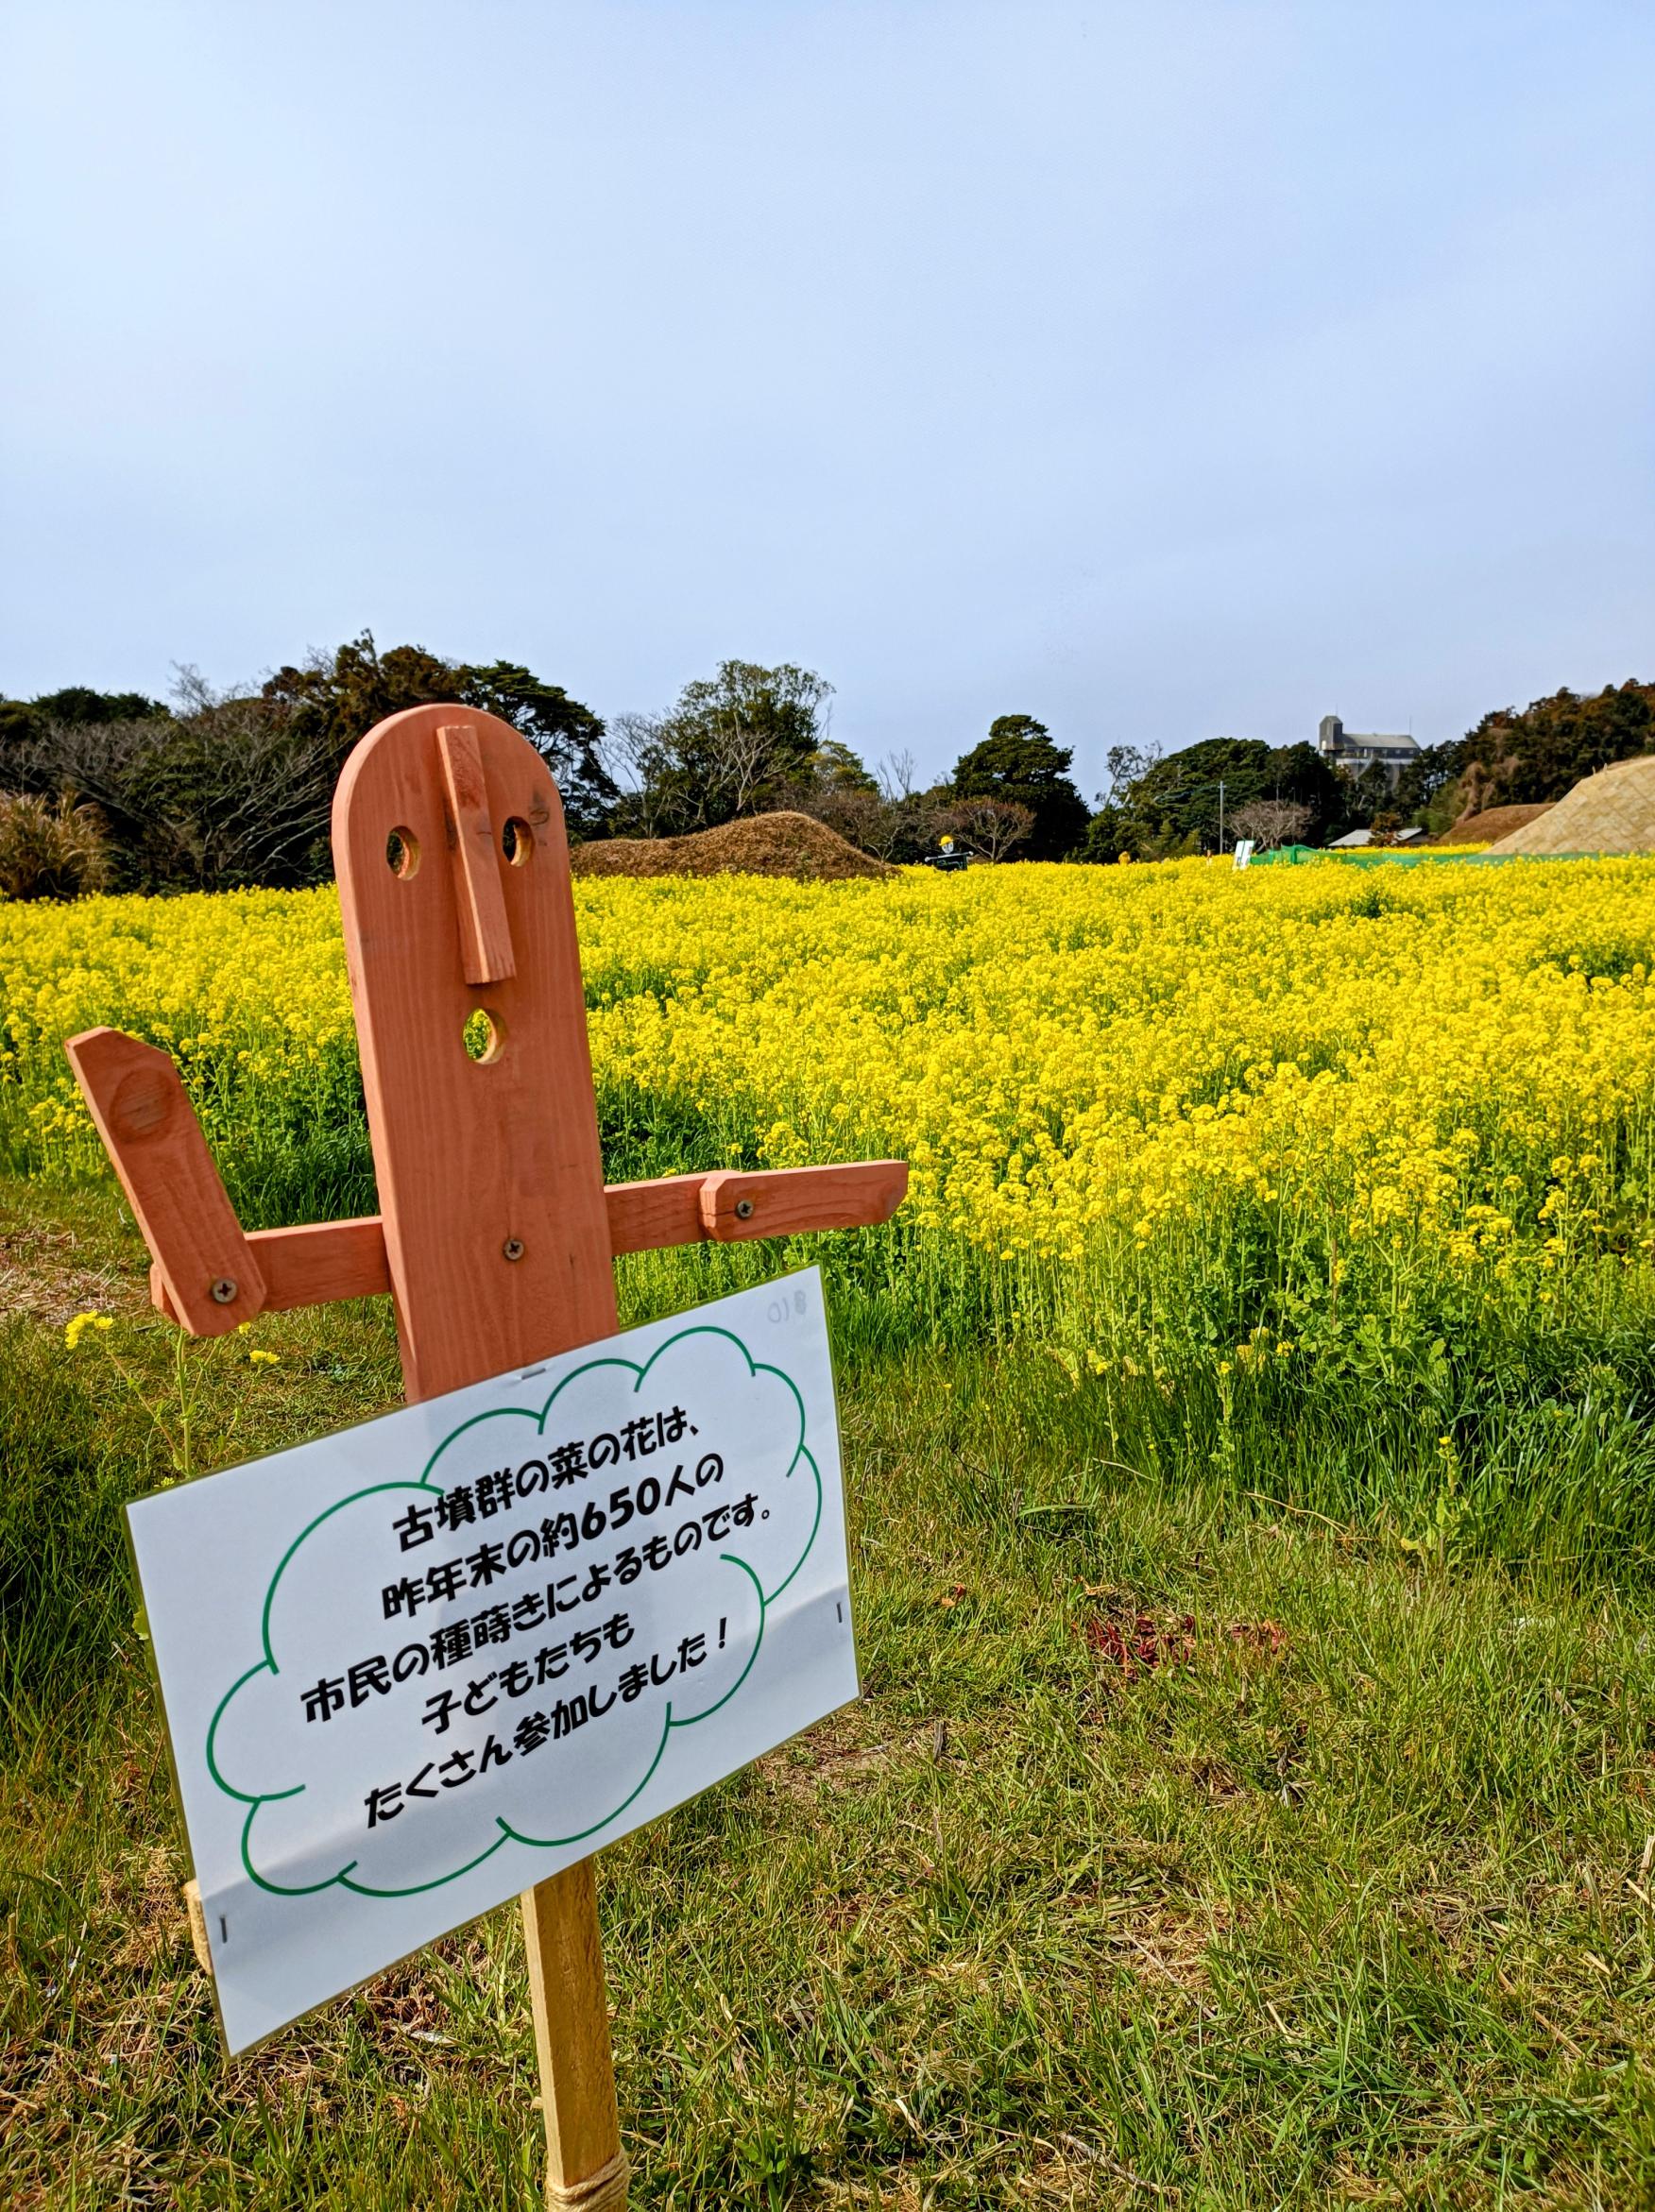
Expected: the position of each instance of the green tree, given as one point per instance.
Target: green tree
(1428, 789)
(1513, 759)
(568, 736)
(1367, 794)
(834, 766)
(339, 699)
(738, 742)
(1019, 763)
(1118, 832)
(1174, 805)
(77, 704)
(837, 789)
(231, 790)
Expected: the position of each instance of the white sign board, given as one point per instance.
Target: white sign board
(417, 1666)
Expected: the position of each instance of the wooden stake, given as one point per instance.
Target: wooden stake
(585, 2164)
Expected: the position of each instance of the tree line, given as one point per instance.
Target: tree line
(214, 790)
(1158, 808)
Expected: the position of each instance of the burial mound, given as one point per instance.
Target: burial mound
(764, 845)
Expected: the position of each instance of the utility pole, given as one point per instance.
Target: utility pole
(1183, 792)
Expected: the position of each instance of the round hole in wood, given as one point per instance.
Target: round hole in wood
(517, 841)
(482, 1036)
(403, 853)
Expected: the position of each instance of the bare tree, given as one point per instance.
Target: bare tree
(736, 759)
(1271, 822)
(1126, 765)
(633, 749)
(734, 743)
(678, 780)
(988, 827)
(195, 695)
(226, 792)
(862, 817)
(896, 777)
(904, 829)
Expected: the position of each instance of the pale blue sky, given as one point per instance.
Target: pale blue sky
(1164, 369)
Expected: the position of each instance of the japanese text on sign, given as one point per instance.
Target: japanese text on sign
(442, 1654)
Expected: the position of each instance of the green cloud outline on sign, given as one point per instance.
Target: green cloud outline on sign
(268, 1664)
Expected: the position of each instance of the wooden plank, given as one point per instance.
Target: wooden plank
(788, 1201)
(496, 1230)
(313, 1265)
(486, 953)
(779, 1202)
(149, 1126)
(327, 1260)
(324, 1261)
(645, 1217)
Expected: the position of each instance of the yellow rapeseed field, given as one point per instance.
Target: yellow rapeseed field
(1453, 1056)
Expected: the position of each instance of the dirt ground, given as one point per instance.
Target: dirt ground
(1493, 822)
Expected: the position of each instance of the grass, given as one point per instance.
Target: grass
(1252, 1803)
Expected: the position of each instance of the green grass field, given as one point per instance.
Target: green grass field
(1251, 1804)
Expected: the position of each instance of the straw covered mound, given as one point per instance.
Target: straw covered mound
(1494, 822)
(766, 844)
(1612, 812)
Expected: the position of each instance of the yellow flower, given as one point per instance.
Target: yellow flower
(1095, 1075)
(76, 1328)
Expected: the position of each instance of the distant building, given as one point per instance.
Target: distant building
(1354, 750)
(1353, 839)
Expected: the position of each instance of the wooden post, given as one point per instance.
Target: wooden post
(491, 1195)
(496, 1234)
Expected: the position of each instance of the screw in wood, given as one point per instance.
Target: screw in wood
(513, 1248)
(743, 1209)
(224, 1292)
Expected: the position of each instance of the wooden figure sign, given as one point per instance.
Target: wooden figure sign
(495, 1239)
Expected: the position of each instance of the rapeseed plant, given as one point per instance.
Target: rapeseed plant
(1437, 1066)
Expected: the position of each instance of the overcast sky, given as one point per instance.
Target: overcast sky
(1163, 369)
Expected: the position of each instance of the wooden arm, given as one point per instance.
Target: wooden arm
(347, 1259)
(211, 1279)
(786, 1201)
(174, 1189)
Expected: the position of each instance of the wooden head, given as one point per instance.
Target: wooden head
(490, 1177)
